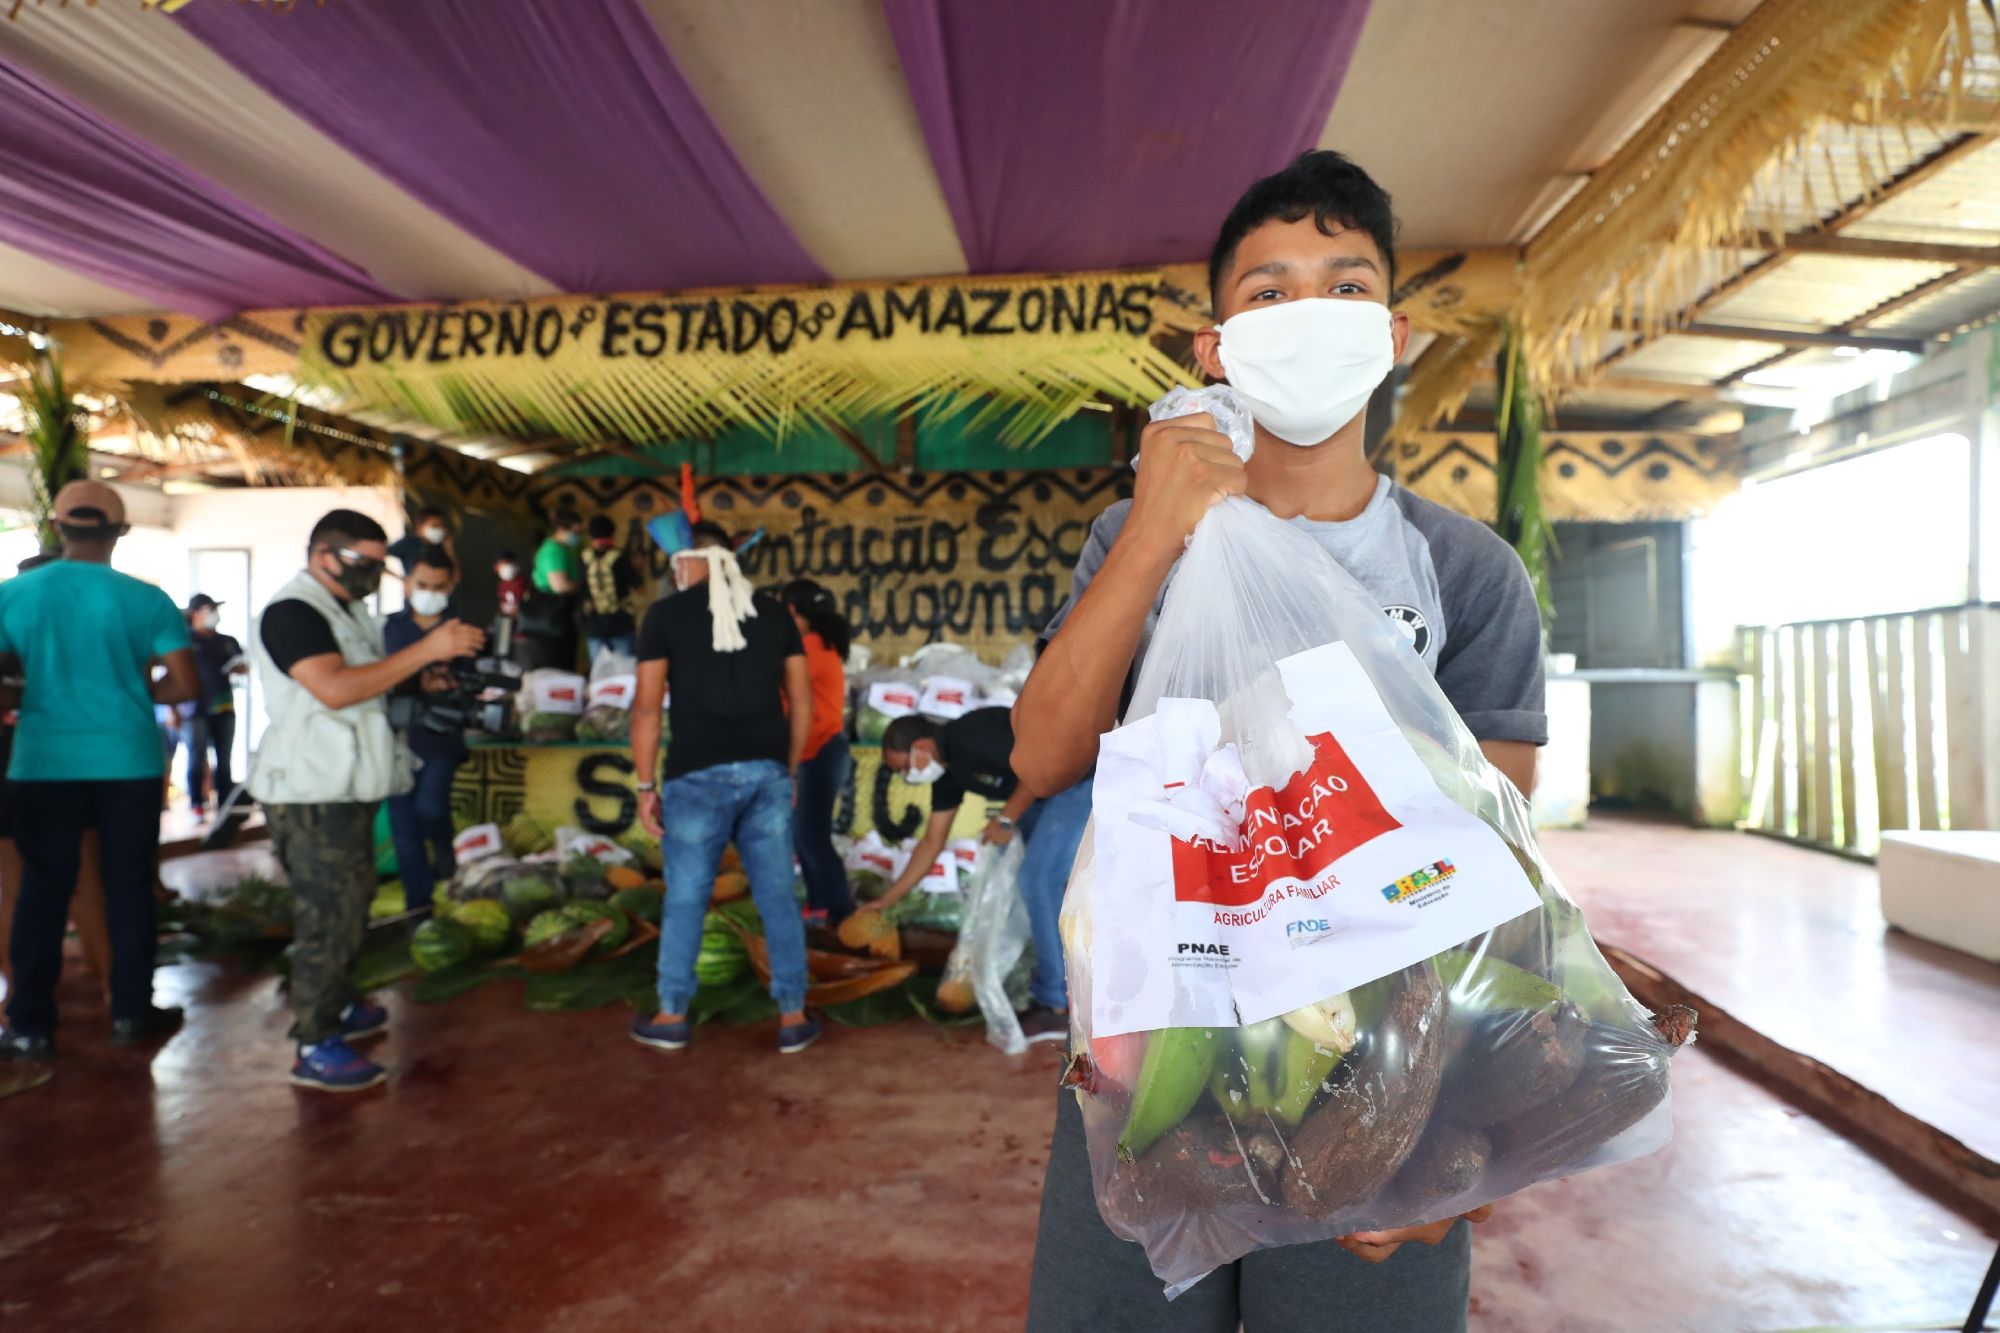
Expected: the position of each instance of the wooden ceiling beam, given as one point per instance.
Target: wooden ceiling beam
(856, 447)
(1868, 247)
(1798, 338)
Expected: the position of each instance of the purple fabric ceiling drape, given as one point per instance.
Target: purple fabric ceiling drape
(562, 134)
(79, 191)
(1072, 134)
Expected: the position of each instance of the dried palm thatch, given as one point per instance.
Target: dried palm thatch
(1623, 251)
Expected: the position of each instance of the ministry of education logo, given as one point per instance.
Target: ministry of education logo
(1411, 621)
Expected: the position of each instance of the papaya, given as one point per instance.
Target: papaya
(625, 877)
(729, 886)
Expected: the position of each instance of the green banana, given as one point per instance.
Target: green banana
(1245, 1082)
(1171, 1080)
(1493, 984)
(1305, 1066)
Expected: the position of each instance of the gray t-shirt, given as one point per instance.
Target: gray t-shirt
(1449, 582)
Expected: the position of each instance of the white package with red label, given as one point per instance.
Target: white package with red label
(1219, 906)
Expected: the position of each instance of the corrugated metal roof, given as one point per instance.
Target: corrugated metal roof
(1695, 359)
(1820, 291)
(1843, 164)
(1967, 301)
(1960, 205)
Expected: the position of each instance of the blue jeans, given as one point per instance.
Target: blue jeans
(820, 781)
(420, 827)
(623, 644)
(750, 804)
(1053, 830)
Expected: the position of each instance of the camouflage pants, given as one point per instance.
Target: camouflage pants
(328, 852)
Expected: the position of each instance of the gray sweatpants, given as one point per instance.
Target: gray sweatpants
(1087, 1278)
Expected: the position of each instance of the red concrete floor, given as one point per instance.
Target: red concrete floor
(539, 1172)
(1792, 943)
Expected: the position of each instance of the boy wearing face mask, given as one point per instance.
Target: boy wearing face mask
(327, 759)
(420, 819)
(431, 529)
(218, 661)
(1300, 278)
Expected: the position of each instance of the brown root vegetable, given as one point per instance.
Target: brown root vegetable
(1624, 1076)
(1449, 1161)
(1351, 1146)
(1199, 1166)
(1505, 1062)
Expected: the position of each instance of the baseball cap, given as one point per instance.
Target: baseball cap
(201, 601)
(90, 508)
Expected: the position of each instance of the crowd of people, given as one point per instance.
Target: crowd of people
(753, 685)
(1300, 278)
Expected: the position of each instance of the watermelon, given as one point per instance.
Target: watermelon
(545, 926)
(583, 913)
(488, 921)
(722, 958)
(439, 943)
(532, 892)
(644, 904)
(583, 877)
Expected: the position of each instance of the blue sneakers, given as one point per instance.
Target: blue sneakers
(793, 1039)
(660, 1036)
(363, 1019)
(334, 1066)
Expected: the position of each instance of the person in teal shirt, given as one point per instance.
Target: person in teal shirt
(87, 755)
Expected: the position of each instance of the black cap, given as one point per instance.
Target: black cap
(601, 527)
(201, 601)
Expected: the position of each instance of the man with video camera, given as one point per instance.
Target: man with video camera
(328, 758)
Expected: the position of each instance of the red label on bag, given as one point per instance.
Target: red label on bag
(562, 694)
(1321, 815)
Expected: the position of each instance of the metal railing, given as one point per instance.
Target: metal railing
(1853, 726)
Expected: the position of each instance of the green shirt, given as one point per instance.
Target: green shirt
(554, 557)
(86, 635)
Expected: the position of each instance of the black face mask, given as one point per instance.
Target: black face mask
(358, 580)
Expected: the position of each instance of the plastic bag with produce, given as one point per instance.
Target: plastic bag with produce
(1325, 981)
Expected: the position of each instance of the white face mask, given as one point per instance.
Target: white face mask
(207, 619)
(506, 571)
(926, 775)
(427, 603)
(1307, 367)
(434, 534)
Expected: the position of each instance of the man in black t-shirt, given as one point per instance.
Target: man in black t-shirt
(972, 754)
(734, 667)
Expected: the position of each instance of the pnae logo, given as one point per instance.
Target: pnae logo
(1305, 932)
(1214, 950)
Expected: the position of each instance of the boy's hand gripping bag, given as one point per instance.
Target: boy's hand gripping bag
(1325, 980)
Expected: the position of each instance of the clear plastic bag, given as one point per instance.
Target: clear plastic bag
(1404, 1094)
(992, 939)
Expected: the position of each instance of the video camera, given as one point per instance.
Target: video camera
(479, 698)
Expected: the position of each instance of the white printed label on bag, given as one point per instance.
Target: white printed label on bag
(613, 691)
(893, 698)
(942, 877)
(477, 841)
(556, 692)
(946, 697)
(1217, 902)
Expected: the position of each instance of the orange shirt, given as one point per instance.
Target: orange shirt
(829, 693)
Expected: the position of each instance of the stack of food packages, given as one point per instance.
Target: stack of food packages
(558, 706)
(936, 903)
(941, 681)
(524, 884)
